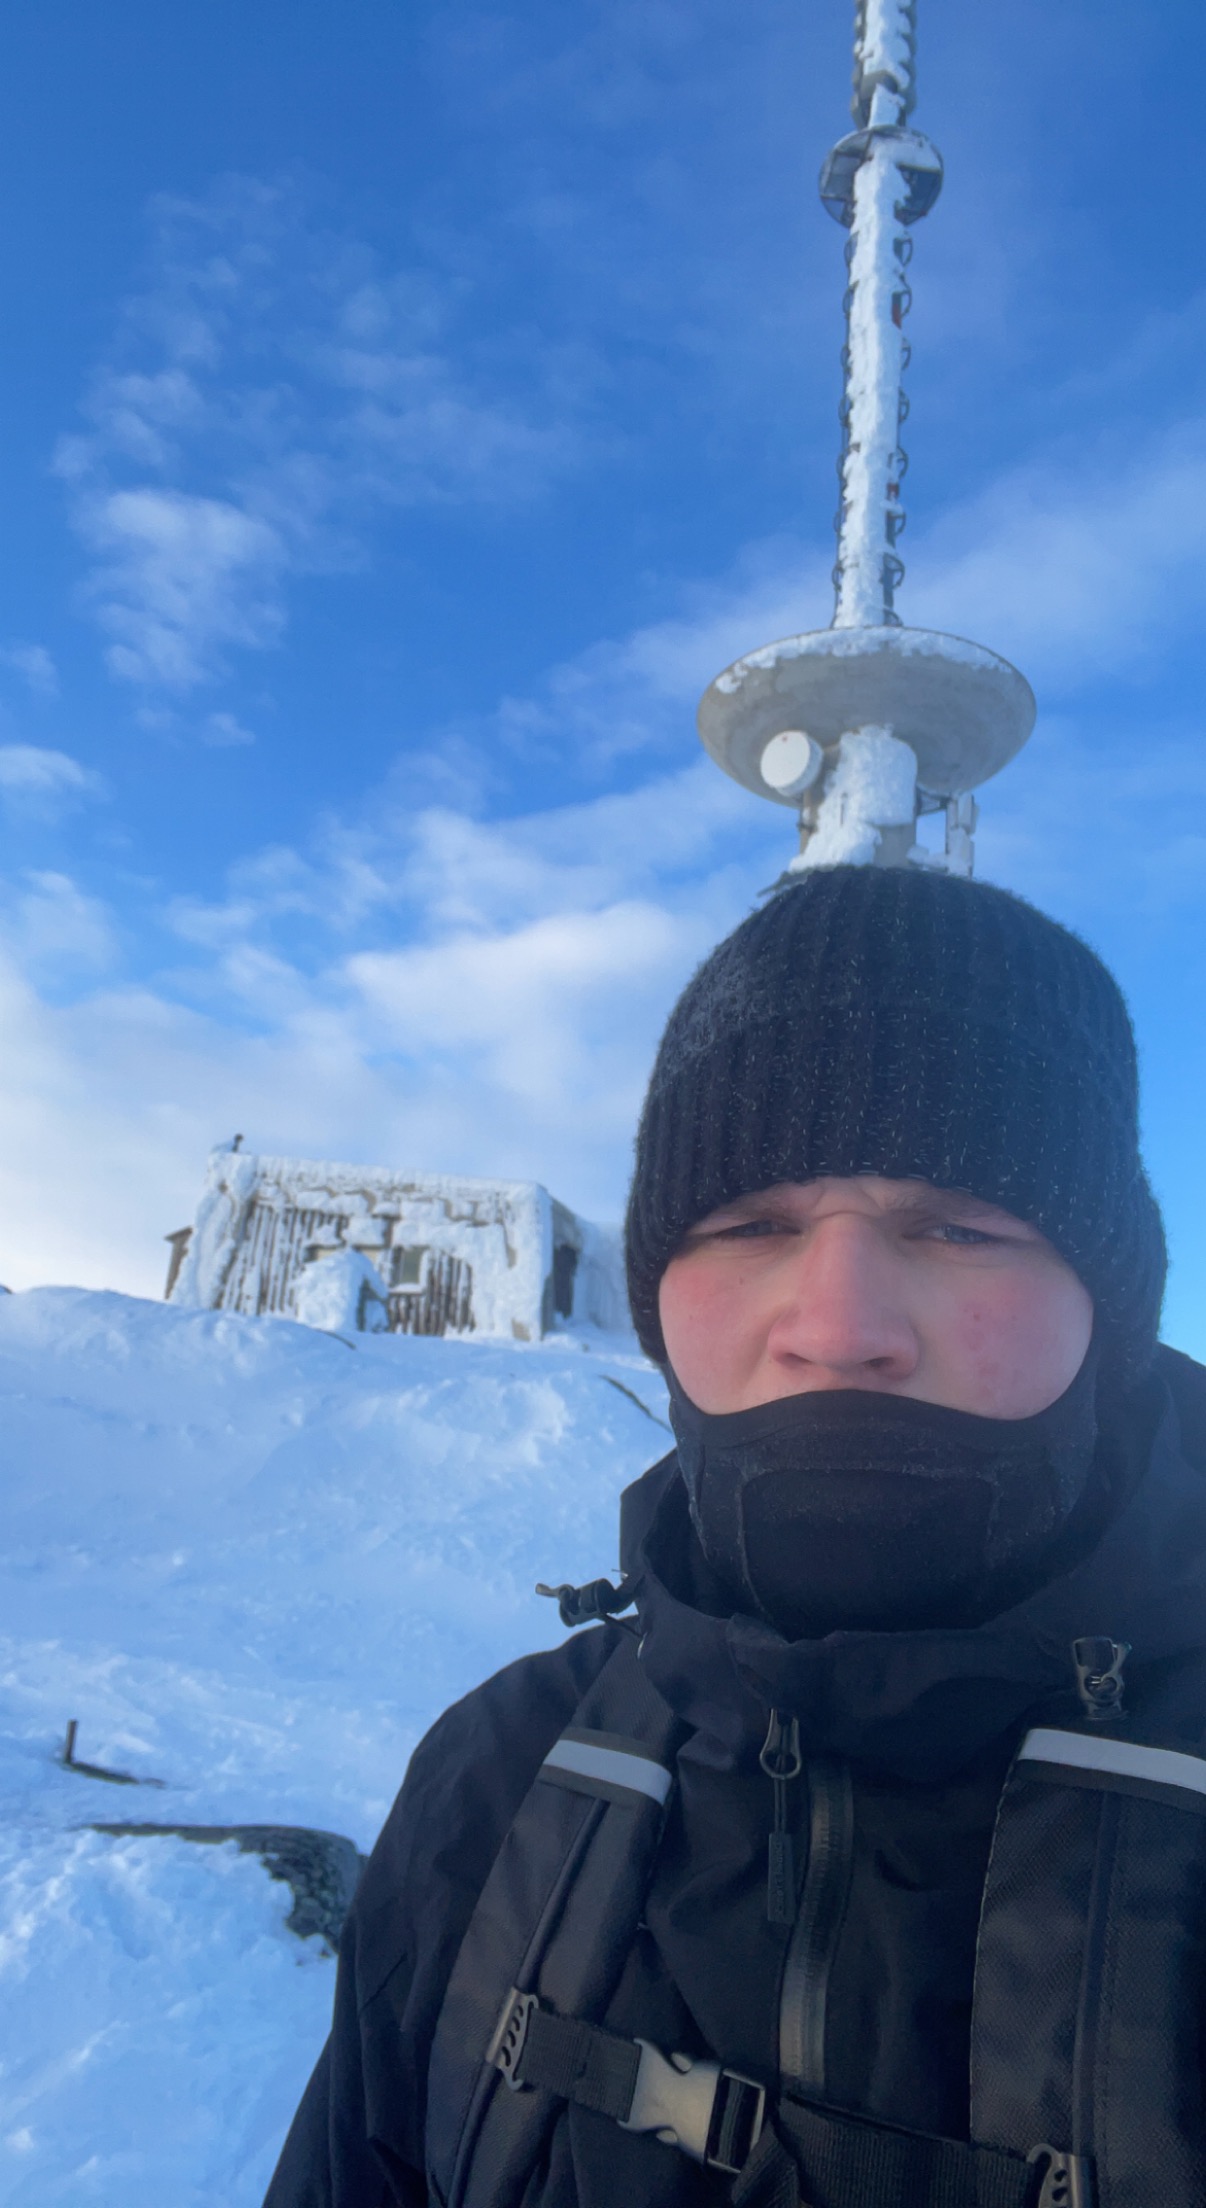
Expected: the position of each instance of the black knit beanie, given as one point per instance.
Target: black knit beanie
(907, 1023)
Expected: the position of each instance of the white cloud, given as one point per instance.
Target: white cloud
(530, 1014)
(277, 884)
(1076, 563)
(180, 580)
(55, 927)
(636, 693)
(268, 395)
(223, 731)
(464, 873)
(34, 665)
(1100, 831)
(515, 1040)
(43, 780)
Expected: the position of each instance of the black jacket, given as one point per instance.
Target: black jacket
(927, 1722)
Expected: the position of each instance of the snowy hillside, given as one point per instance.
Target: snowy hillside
(254, 1562)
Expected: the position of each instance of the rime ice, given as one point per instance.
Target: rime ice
(955, 712)
(417, 1253)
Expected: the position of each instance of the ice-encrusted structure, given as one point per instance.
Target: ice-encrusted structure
(343, 1293)
(364, 1248)
(869, 795)
(877, 183)
(869, 707)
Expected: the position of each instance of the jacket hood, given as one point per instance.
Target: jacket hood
(922, 1705)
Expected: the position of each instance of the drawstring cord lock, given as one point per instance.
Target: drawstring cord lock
(1099, 1665)
(595, 1603)
(781, 1760)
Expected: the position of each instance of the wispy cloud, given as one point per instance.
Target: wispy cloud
(56, 930)
(272, 391)
(180, 579)
(42, 780)
(1082, 561)
(34, 665)
(534, 1016)
(223, 731)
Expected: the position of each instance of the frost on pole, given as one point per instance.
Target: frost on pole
(901, 722)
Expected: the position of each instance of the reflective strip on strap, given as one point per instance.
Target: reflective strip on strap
(1124, 1759)
(614, 1766)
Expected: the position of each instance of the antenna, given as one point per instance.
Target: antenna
(866, 725)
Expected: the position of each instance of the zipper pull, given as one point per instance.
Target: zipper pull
(780, 1759)
(1099, 1677)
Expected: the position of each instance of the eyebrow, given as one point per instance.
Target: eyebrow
(924, 1194)
(919, 1196)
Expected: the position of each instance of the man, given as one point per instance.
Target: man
(711, 1915)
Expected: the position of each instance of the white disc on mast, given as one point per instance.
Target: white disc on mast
(959, 707)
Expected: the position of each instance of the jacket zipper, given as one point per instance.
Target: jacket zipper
(804, 1994)
(782, 1763)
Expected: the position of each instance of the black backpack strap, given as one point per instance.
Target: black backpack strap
(817, 2157)
(1086, 2021)
(831, 2158)
(712, 2114)
(555, 1919)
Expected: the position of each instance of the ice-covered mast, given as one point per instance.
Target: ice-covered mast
(865, 725)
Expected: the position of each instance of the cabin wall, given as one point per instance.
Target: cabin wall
(452, 1256)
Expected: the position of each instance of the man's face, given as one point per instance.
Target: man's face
(865, 1283)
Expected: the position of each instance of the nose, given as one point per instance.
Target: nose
(843, 1320)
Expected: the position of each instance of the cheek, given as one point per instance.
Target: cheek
(705, 1320)
(1014, 1345)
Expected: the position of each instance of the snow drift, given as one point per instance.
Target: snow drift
(254, 1562)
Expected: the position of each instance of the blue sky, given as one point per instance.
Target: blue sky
(406, 412)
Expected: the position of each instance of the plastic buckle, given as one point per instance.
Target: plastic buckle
(713, 2115)
(1067, 2179)
(506, 2047)
(737, 2119)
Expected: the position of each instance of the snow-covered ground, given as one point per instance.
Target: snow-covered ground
(254, 1562)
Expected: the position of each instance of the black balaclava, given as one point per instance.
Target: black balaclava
(846, 1511)
(904, 1023)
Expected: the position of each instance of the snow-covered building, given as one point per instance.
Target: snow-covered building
(350, 1247)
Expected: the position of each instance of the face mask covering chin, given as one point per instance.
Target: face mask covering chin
(858, 1512)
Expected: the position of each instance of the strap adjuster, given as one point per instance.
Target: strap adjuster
(1067, 2178)
(713, 2115)
(506, 2047)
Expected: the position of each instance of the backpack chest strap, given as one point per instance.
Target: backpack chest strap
(710, 2113)
(718, 2118)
